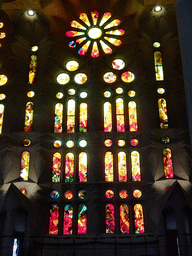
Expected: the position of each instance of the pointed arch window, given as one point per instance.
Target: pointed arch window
(54, 220)
(139, 220)
(135, 164)
(110, 218)
(71, 116)
(120, 115)
(168, 163)
(124, 219)
(163, 117)
(158, 66)
(83, 117)
(107, 117)
(25, 160)
(82, 167)
(69, 167)
(68, 220)
(29, 117)
(33, 69)
(82, 219)
(56, 169)
(122, 167)
(1, 117)
(58, 118)
(133, 127)
(109, 166)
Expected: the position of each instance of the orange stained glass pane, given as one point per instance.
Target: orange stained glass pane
(159, 74)
(82, 167)
(56, 168)
(109, 194)
(120, 115)
(135, 164)
(127, 77)
(109, 166)
(74, 33)
(123, 194)
(58, 118)
(139, 220)
(167, 163)
(122, 167)
(68, 195)
(25, 159)
(133, 127)
(84, 18)
(76, 24)
(113, 41)
(29, 117)
(163, 117)
(71, 116)
(82, 219)
(107, 117)
(105, 47)
(113, 23)
(124, 219)
(94, 15)
(109, 77)
(32, 69)
(68, 220)
(2, 35)
(54, 220)
(117, 32)
(106, 16)
(1, 117)
(83, 117)
(69, 167)
(110, 218)
(95, 50)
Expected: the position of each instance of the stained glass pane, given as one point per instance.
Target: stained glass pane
(105, 47)
(82, 167)
(3, 80)
(115, 42)
(122, 167)
(109, 77)
(31, 94)
(2, 35)
(55, 194)
(70, 144)
(82, 143)
(108, 143)
(1, 24)
(109, 194)
(58, 118)
(34, 48)
(158, 66)
(2, 96)
(118, 64)
(54, 220)
(119, 90)
(114, 23)
(57, 143)
(84, 18)
(163, 117)
(68, 195)
(107, 94)
(120, 115)
(107, 117)
(161, 90)
(59, 95)
(83, 95)
(80, 78)
(63, 78)
(56, 169)
(1, 117)
(26, 142)
(72, 65)
(95, 50)
(121, 143)
(76, 24)
(117, 32)
(74, 33)
(68, 220)
(32, 69)
(110, 218)
(25, 159)
(84, 48)
(95, 16)
(165, 139)
(71, 91)
(29, 117)
(127, 77)
(71, 116)
(69, 167)
(106, 16)
(156, 44)
(109, 166)
(133, 127)
(123, 194)
(82, 219)
(139, 221)
(137, 193)
(131, 93)
(135, 164)
(83, 118)
(167, 163)
(23, 191)
(134, 142)
(124, 219)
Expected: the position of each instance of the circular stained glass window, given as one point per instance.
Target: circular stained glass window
(118, 64)
(31, 94)
(63, 78)
(137, 193)
(165, 139)
(23, 191)
(109, 194)
(68, 195)
(2, 35)
(108, 143)
(131, 93)
(1, 24)
(134, 142)
(2, 96)
(59, 95)
(127, 77)
(161, 90)
(123, 194)
(3, 80)
(95, 33)
(71, 91)
(70, 144)
(26, 142)
(72, 65)
(109, 77)
(156, 44)
(54, 194)
(121, 143)
(119, 90)
(57, 143)
(107, 94)
(80, 78)
(83, 95)
(34, 48)
(82, 143)
(82, 194)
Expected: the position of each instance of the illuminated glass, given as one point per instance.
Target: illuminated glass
(75, 24)
(15, 247)
(167, 163)
(120, 115)
(68, 220)
(34, 48)
(115, 42)
(59, 95)
(123, 194)
(127, 77)
(82, 194)
(124, 219)
(71, 116)
(118, 64)
(121, 143)
(84, 18)
(131, 94)
(107, 117)
(108, 143)
(23, 191)
(55, 194)
(83, 95)
(31, 94)
(26, 142)
(58, 118)
(71, 91)
(2, 96)
(95, 50)
(133, 127)
(165, 139)
(158, 66)
(1, 24)
(63, 78)
(83, 117)
(156, 44)
(69, 167)
(72, 65)
(80, 78)
(110, 218)
(30, 12)
(74, 33)
(56, 168)
(94, 15)
(139, 221)
(54, 220)
(106, 49)
(82, 143)
(33, 69)
(83, 50)
(82, 167)
(29, 117)
(163, 117)
(25, 159)
(109, 77)
(158, 8)
(3, 80)
(109, 166)
(57, 143)
(135, 165)
(109, 194)
(137, 193)
(117, 32)
(82, 219)
(106, 16)
(2, 35)
(107, 94)
(113, 23)
(134, 142)
(70, 144)
(1, 117)
(95, 33)
(161, 90)
(68, 195)
(122, 167)
(119, 90)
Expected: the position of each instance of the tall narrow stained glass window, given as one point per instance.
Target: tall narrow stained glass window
(133, 127)
(82, 219)
(54, 220)
(158, 66)
(1, 117)
(163, 117)
(69, 167)
(82, 167)
(109, 166)
(167, 163)
(122, 167)
(107, 117)
(124, 219)
(33, 69)
(29, 117)
(83, 117)
(68, 220)
(56, 168)
(71, 116)
(139, 220)
(135, 164)
(58, 118)
(25, 159)
(110, 218)
(120, 115)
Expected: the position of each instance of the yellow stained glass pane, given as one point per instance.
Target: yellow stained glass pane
(121, 143)
(106, 48)
(2, 96)
(120, 115)
(113, 23)
(109, 194)
(106, 16)
(119, 106)
(131, 94)
(34, 48)
(83, 95)
(58, 118)
(32, 69)
(127, 77)
(107, 117)
(163, 117)
(74, 33)
(59, 95)
(1, 117)
(1, 24)
(84, 48)
(122, 167)
(119, 90)
(95, 50)
(63, 78)
(82, 167)
(69, 167)
(159, 73)
(80, 40)
(76, 24)
(108, 143)
(83, 117)
(161, 90)
(137, 193)
(109, 77)
(3, 80)
(94, 15)
(26, 142)
(84, 18)
(29, 117)
(72, 65)
(2, 35)
(80, 78)
(133, 127)
(107, 94)
(31, 94)
(70, 144)
(123, 194)
(156, 44)
(25, 158)
(109, 166)
(71, 91)
(139, 221)
(135, 164)
(115, 42)
(117, 32)
(71, 116)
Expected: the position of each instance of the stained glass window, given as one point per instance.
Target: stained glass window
(56, 169)
(58, 118)
(124, 219)
(167, 163)
(122, 167)
(120, 115)
(68, 220)
(158, 66)
(55, 194)
(139, 221)
(82, 167)
(135, 164)
(107, 117)
(83, 117)
(163, 117)
(54, 220)
(33, 69)
(25, 159)
(82, 219)
(123, 194)
(109, 193)
(133, 127)
(1, 117)
(71, 116)
(108, 166)
(110, 218)
(3, 80)
(69, 167)
(29, 117)
(82, 194)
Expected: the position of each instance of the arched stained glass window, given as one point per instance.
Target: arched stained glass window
(167, 163)
(82, 219)
(83, 117)
(135, 164)
(108, 166)
(133, 127)
(163, 117)
(1, 117)
(29, 117)
(56, 169)
(158, 66)
(69, 167)
(58, 118)
(110, 218)
(25, 159)
(68, 220)
(124, 219)
(54, 220)
(120, 115)
(82, 167)
(71, 116)
(32, 69)
(107, 117)
(139, 221)
(122, 166)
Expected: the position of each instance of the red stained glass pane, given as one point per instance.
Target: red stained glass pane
(25, 159)
(69, 167)
(95, 50)
(107, 117)
(83, 118)
(58, 118)
(1, 117)
(123, 194)
(54, 220)
(139, 221)
(133, 127)
(127, 77)
(163, 117)
(95, 16)
(56, 169)
(29, 117)
(167, 163)
(135, 163)
(71, 116)
(110, 218)
(83, 167)
(106, 16)
(82, 219)
(108, 166)
(74, 33)
(124, 219)
(68, 220)
(23, 191)
(109, 194)
(122, 167)
(32, 69)
(134, 142)
(120, 115)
